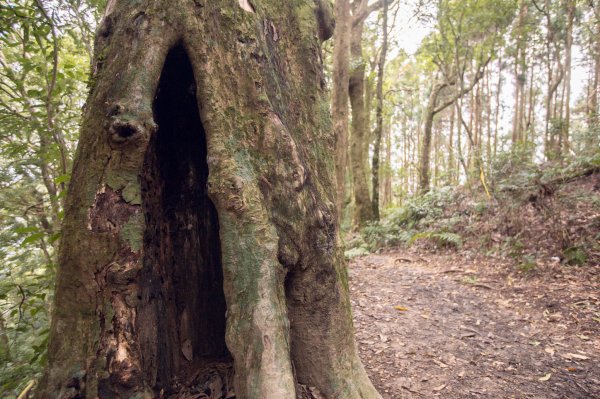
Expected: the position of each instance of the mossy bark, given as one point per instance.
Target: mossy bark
(203, 241)
(359, 147)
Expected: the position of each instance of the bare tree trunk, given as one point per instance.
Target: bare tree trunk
(497, 112)
(554, 80)
(200, 237)
(379, 115)
(570, 11)
(424, 178)
(595, 81)
(451, 160)
(358, 154)
(339, 96)
(388, 172)
(488, 114)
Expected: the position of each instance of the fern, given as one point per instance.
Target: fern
(447, 239)
(441, 238)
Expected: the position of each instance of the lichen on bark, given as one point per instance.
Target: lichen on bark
(201, 232)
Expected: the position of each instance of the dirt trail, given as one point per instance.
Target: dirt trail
(453, 327)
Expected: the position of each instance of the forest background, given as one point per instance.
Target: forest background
(457, 122)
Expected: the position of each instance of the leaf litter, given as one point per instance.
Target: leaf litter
(426, 328)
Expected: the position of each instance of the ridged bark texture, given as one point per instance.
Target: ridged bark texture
(200, 237)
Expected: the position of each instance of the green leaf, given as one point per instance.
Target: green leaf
(32, 238)
(34, 93)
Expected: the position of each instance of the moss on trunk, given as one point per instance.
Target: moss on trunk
(200, 237)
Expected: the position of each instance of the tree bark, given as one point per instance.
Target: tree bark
(388, 172)
(358, 155)
(340, 96)
(379, 115)
(566, 125)
(200, 240)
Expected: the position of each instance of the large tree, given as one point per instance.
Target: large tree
(200, 242)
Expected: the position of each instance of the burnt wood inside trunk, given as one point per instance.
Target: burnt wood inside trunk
(182, 307)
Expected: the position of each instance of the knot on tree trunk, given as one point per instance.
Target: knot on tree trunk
(127, 126)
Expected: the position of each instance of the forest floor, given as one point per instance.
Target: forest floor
(460, 325)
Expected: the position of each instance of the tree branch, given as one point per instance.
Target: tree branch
(464, 90)
(364, 12)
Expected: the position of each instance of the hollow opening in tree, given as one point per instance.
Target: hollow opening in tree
(182, 309)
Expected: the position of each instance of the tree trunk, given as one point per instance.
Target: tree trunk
(592, 119)
(388, 172)
(424, 167)
(358, 155)
(451, 161)
(570, 11)
(200, 243)
(379, 116)
(497, 111)
(339, 96)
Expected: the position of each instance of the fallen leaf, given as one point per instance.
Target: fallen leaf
(571, 369)
(575, 356)
(437, 389)
(400, 308)
(546, 377)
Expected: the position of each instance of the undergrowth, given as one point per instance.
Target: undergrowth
(535, 211)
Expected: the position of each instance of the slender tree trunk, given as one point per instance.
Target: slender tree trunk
(379, 115)
(530, 125)
(520, 74)
(358, 155)
(424, 173)
(388, 171)
(451, 160)
(488, 114)
(555, 72)
(570, 11)
(497, 112)
(595, 83)
(339, 96)
(368, 121)
(200, 240)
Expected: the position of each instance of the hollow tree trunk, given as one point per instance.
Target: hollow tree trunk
(200, 243)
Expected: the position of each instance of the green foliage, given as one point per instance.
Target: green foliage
(409, 223)
(356, 252)
(448, 217)
(469, 280)
(44, 63)
(528, 264)
(441, 238)
(466, 31)
(574, 256)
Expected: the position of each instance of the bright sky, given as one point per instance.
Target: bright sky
(409, 31)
